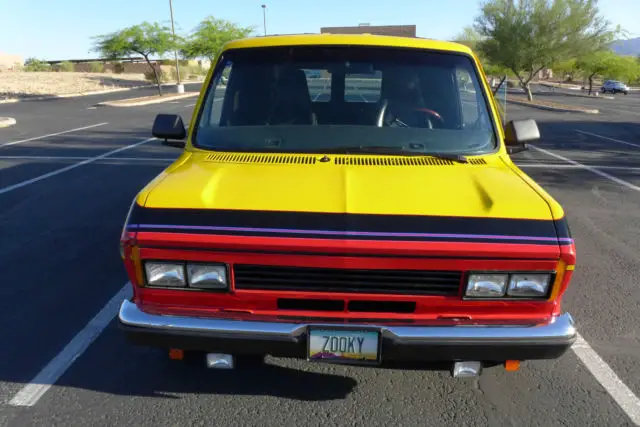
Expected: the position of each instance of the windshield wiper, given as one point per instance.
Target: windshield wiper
(444, 156)
(390, 150)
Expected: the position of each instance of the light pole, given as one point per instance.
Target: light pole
(264, 18)
(180, 86)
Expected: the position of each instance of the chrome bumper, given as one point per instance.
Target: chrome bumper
(559, 331)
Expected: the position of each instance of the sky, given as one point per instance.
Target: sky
(62, 29)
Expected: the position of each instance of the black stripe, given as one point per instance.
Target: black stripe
(562, 228)
(346, 222)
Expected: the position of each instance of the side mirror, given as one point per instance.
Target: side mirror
(170, 128)
(518, 133)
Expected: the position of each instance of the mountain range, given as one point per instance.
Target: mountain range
(627, 47)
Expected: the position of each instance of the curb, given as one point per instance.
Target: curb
(577, 95)
(548, 108)
(569, 87)
(120, 103)
(5, 122)
(95, 92)
(588, 96)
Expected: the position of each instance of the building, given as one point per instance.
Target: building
(382, 30)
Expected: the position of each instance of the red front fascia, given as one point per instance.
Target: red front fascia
(348, 254)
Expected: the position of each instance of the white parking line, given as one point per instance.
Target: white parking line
(73, 166)
(618, 390)
(129, 159)
(5, 144)
(189, 105)
(608, 138)
(558, 166)
(49, 375)
(589, 168)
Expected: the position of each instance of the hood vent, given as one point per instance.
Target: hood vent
(401, 161)
(296, 159)
(264, 159)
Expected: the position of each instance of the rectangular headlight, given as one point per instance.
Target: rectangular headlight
(486, 285)
(529, 285)
(165, 274)
(207, 276)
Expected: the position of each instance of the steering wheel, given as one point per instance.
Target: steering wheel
(382, 112)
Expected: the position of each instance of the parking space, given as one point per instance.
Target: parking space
(288, 392)
(60, 266)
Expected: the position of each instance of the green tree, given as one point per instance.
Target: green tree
(468, 37)
(566, 69)
(527, 36)
(145, 39)
(210, 36)
(629, 69)
(603, 63)
(472, 39)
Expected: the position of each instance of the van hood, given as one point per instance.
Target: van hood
(378, 197)
(488, 188)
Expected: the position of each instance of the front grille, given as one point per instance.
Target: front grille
(413, 282)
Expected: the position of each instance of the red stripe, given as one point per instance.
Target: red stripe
(365, 254)
(372, 247)
(364, 262)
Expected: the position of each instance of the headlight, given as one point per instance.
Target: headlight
(165, 274)
(529, 285)
(207, 276)
(486, 285)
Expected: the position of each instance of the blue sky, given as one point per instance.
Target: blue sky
(62, 29)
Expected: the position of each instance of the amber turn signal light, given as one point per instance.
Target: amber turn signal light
(176, 354)
(512, 365)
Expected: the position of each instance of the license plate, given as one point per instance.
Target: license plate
(344, 346)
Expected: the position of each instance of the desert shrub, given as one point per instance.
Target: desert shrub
(118, 68)
(33, 64)
(65, 66)
(96, 67)
(184, 72)
(198, 70)
(149, 76)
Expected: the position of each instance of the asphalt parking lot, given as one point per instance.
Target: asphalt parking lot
(68, 173)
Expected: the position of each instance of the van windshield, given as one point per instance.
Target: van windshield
(331, 98)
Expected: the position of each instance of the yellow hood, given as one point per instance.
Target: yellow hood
(347, 184)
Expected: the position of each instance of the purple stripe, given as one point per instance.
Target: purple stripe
(347, 233)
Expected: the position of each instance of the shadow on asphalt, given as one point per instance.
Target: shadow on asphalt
(148, 372)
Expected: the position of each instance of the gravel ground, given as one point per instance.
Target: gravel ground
(25, 84)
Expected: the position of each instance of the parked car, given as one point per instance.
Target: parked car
(613, 86)
(351, 231)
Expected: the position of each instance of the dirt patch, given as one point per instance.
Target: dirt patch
(145, 100)
(36, 84)
(550, 106)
